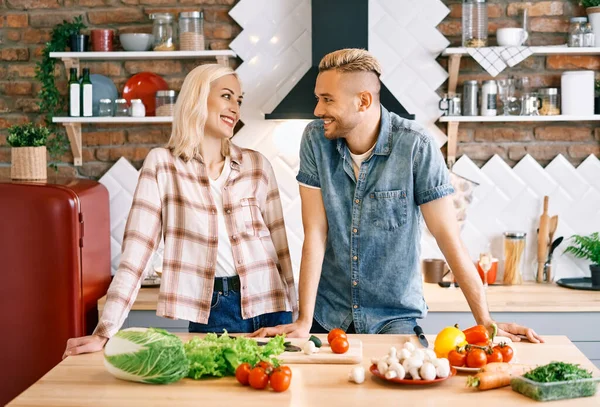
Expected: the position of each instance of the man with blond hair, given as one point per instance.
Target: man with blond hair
(366, 177)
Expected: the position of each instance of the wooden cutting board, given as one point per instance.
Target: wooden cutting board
(325, 355)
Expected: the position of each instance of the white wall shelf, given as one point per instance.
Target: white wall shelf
(548, 50)
(501, 119)
(124, 119)
(72, 60)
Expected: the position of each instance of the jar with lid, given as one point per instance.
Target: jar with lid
(191, 31)
(576, 31)
(137, 108)
(474, 23)
(489, 95)
(121, 108)
(589, 38)
(165, 102)
(514, 257)
(105, 108)
(548, 102)
(470, 92)
(163, 30)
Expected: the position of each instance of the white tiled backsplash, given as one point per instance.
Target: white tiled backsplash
(275, 45)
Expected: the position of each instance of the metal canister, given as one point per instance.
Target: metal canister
(470, 91)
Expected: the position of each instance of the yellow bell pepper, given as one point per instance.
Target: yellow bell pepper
(448, 339)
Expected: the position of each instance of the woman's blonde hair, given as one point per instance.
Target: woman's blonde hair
(350, 60)
(191, 111)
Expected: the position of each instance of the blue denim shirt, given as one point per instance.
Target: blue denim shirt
(370, 270)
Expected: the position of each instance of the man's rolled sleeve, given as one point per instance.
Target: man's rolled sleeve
(308, 173)
(431, 176)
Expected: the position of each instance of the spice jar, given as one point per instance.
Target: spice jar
(191, 31)
(137, 108)
(576, 31)
(474, 23)
(121, 108)
(514, 257)
(165, 102)
(163, 31)
(548, 102)
(105, 108)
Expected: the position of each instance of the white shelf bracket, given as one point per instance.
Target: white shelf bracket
(74, 134)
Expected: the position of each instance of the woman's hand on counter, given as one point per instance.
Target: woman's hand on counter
(84, 344)
(294, 330)
(511, 330)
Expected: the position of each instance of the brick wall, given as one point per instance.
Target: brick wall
(25, 26)
(548, 25)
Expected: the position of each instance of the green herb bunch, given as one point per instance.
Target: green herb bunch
(586, 247)
(28, 135)
(555, 381)
(589, 3)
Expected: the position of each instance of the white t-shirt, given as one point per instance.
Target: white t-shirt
(357, 160)
(225, 264)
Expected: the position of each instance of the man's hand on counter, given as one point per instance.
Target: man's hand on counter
(515, 332)
(84, 344)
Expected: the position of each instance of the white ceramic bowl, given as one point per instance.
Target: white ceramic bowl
(136, 42)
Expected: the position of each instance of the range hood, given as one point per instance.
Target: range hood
(336, 24)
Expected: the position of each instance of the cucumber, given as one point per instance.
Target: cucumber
(316, 341)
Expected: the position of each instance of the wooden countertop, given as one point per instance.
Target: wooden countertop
(528, 297)
(83, 380)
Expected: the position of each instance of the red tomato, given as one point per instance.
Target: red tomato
(335, 333)
(495, 356)
(242, 373)
(340, 345)
(265, 365)
(258, 378)
(457, 359)
(280, 380)
(285, 369)
(507, 352)
(476, 358)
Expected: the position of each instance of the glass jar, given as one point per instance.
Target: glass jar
(589, 38)
(191, 31)
(165, 102)
(105, 108)
(548, 102)
(163, 30)
(121, 108)
(576, 31)
(137, 108)
(514, 257)
(474, 23)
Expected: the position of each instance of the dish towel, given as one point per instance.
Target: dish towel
(495, 59)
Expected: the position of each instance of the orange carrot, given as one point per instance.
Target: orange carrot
(513, 369)
(487, 381)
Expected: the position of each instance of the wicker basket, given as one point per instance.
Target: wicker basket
(28, 163)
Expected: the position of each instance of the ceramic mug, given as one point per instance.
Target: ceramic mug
(434, 270)
(511, 37)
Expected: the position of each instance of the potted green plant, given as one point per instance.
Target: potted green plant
(592, 8)
(28, 152)
(587, 247)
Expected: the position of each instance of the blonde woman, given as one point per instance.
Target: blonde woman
(226, 259)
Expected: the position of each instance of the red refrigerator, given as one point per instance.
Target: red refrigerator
(54, 265)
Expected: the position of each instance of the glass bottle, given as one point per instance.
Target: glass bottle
(474, 23)
(589, 39)
(86, 94)
(514, 257)
(74, 94)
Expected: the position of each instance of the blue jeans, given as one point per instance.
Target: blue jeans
(396, 327)
(226, 313)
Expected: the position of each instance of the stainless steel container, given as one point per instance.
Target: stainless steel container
(470, 97)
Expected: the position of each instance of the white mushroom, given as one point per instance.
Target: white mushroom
(430, 355)
(409, 346)
(400, 372)
(357, 375)
(382, 366)
(392, 356)
(443, 370)
(309, 348)
(374, 361)
(412, 366)
(391, 374)
(427, 371)
(419, 354)
(403, 355)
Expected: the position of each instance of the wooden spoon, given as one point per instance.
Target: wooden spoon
(553, 226)
(542, 247)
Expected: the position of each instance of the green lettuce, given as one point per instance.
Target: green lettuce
(219, 356)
